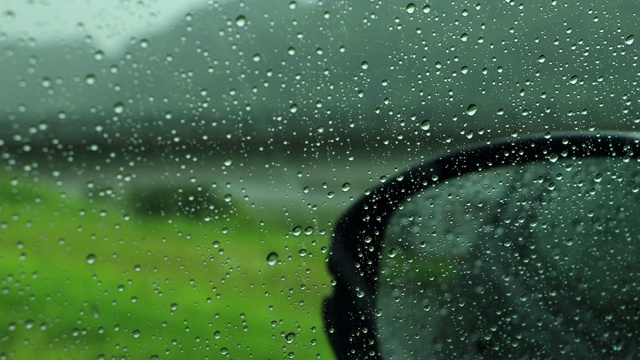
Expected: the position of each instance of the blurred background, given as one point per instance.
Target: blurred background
(171, 171)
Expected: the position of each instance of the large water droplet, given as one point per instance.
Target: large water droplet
(118, 108)
(291, 337)
(629, 40)
(241, 21)
(90, 79)
(98, 55)
(425, 125)
(411, 8)
(472, 109)
(272, 258)
(91, 259)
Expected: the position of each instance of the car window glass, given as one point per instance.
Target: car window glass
(171, 172)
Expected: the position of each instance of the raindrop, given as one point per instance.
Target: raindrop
(573, 80)
(118, 108)
(241, 21)
(541, 59)
(464, 37)
(91, 259)
(411, 8)
(426, 9)
(136, 333)
(290, 337)
(346, 186)
(46, 82)
(629, 40)
(472, 109)
(98, 55)
(257, 57)
(425, 125)
(9, 15)
(90, 79)
(293, 108)
(364, 65)
(272, 258)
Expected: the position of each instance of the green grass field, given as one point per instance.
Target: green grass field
(89, 278)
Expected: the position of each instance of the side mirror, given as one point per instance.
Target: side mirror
(526, 248)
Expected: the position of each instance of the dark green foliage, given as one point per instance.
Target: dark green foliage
(173, 200)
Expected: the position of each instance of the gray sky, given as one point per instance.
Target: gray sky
(111, 24)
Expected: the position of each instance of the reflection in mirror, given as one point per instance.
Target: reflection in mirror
(530, 261)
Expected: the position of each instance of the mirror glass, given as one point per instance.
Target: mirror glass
(529, 261)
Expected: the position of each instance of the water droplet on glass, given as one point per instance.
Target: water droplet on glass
(257, 57)
(118, 108)
(290, 337)
(241, 21)
(91, 259)
(90, 79)
(293, 108)
(364, 65)
(272, 258)
(346, 186)
(541, 59)
(629, 40)
(472, 109)
(411, 8)
(46, 82)
(426, 9)
(9, 15)
(98, 55)
(573, 80)
(425, 125)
